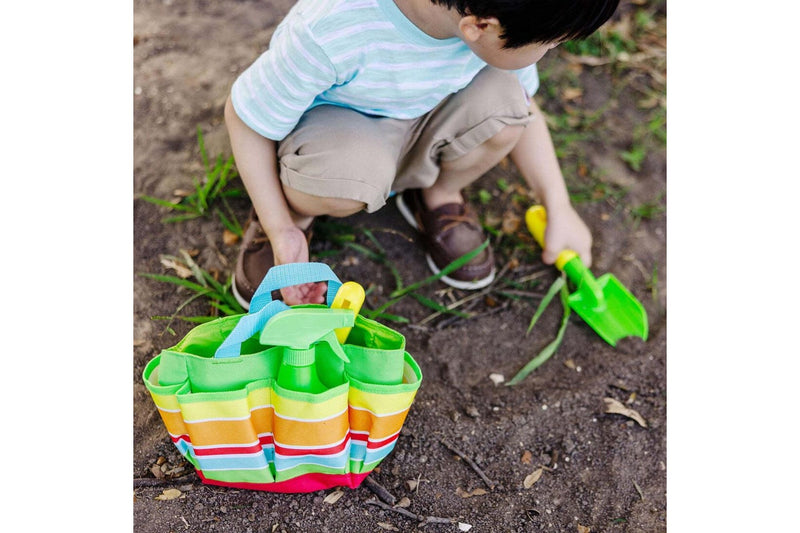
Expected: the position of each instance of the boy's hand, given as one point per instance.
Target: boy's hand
(289, 245)
(566, 230)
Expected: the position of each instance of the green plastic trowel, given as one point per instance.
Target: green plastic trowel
(603, 303)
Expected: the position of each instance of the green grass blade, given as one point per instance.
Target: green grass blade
(370, 254)
(201, 143)
(374, 240)
(163, 203)
(181, 218)
(192, 319)
(455, 265)
(554, 288)
(377, 312)
(222, 181)
(227, 309)
(393, 318)
(177, 281)
(197, 272)
(231, 225)
(548, 350)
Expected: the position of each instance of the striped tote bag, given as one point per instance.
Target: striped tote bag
(224, 399)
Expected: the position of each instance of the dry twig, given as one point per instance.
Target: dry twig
(470, 462)
(409, 514)
(379, 490)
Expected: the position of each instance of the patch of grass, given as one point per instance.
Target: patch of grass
(604, 42)
(634, 156)
(645, 135)
(596, 191)
(209, 195)
(205, 285)
(346, 238)
(647, 210)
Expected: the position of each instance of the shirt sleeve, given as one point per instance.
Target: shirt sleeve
(529, 78)
(274, 92)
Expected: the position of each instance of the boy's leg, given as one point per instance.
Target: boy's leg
(452, 146)
(336, 162)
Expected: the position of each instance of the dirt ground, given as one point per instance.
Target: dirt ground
(599, 471)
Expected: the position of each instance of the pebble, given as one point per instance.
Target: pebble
(472, 411)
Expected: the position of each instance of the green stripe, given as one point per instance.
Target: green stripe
(240, 476)
(307, 469)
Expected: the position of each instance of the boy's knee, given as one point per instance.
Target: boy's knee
(310, 205)
(505, 139)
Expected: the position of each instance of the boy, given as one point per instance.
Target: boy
(355, 99)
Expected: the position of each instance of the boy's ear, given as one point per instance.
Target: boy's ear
(472, 27)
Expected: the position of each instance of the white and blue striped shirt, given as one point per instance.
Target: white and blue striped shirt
(361, 54)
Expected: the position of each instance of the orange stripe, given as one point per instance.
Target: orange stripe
(319, 434)
(173, 422)
(378, 427)
(262, 419)
(217, 432)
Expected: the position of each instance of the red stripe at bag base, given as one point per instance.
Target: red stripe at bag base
(305, 483)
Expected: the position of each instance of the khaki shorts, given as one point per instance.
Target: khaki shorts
(335, 152)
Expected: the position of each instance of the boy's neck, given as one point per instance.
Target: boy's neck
(433, 19)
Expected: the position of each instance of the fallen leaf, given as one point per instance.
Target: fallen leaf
(616, 407)
(404, 502)
(532, 478)
(571, 93)
(387, 526)
(229, 237)
(464, 494)
(333, 497)
(169, 494)
(412, 484)
(527, 457)
(463, 526)
(182, 270)
(156, 470)
(497, 379)
(511, 222)
(583, 529)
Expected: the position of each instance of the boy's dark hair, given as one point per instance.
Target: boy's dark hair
(539, 21)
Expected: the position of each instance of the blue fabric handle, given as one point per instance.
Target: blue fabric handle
(248, 326)
(289, 274)
(262, 307)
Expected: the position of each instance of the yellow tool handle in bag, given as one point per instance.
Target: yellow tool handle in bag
(349, 296)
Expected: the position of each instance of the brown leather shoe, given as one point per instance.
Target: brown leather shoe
(255, 258)
(449, 232)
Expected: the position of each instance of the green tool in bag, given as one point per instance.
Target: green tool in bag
(272, 400)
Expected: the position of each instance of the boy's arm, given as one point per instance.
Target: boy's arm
(257, 163)
(535, 157)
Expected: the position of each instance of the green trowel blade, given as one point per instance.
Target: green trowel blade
(617, 316)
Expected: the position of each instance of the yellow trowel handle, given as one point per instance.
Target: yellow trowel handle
(349, 296)
(536, 219)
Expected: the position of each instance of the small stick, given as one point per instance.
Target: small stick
(380, 491)
(470, 462)
(409, 514)
(400, 510)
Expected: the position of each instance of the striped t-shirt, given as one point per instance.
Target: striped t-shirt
(361, 54)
